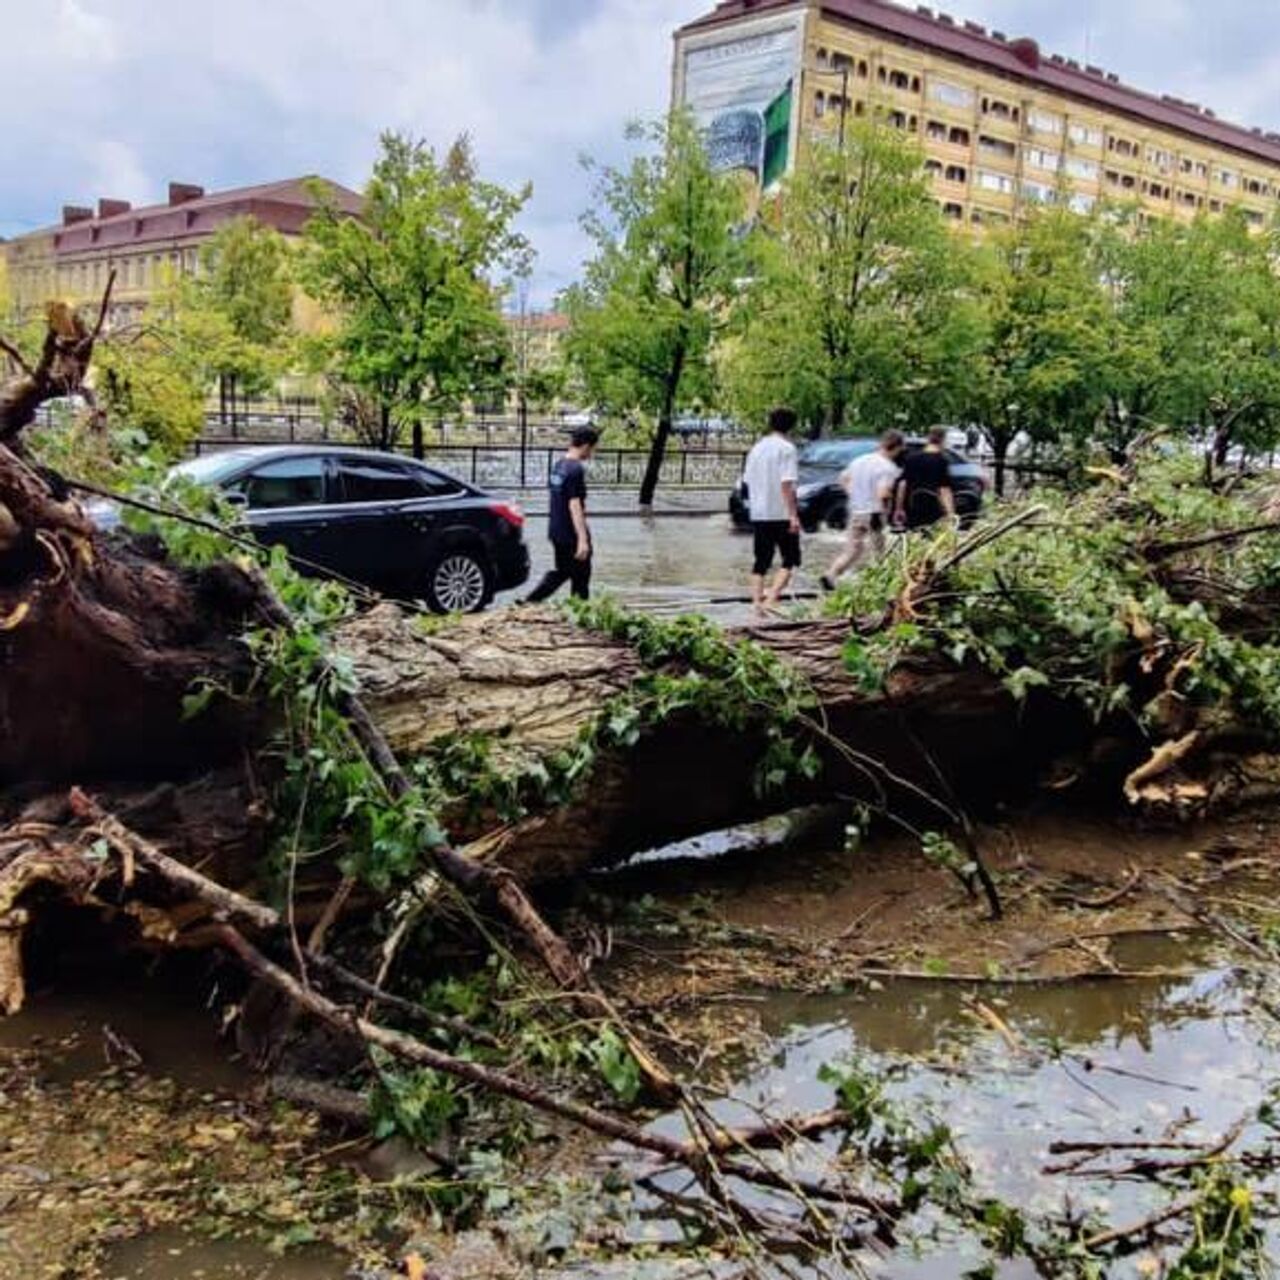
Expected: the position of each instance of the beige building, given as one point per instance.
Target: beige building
(146, 247)
(1001, 124)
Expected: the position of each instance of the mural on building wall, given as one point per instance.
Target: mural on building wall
(742, 91)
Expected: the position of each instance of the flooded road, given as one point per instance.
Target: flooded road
(687, 555)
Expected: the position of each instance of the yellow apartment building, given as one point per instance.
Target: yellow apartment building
(147, 246)
(1002, 125)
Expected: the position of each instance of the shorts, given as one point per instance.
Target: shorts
(775, 536)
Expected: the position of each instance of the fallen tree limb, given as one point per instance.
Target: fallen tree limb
(689, 1154)
(469, 876)
(228, 904)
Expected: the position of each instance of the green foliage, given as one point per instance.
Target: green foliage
(1071, 603)
(648, 312)
(247, 277)
(1046, 336)
(861, 310)
(693, 669)
(411, 284)
(152, 392)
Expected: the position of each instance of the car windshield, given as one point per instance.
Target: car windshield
(834, 453)
(211, 468)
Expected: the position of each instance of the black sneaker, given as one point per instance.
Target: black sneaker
(827, 583)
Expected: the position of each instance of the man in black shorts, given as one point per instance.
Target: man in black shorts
(923, 494)
(771, 475)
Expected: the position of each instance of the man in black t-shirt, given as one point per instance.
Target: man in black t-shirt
(923, 494)
(567, 524)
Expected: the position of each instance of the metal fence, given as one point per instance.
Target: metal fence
(510, 467)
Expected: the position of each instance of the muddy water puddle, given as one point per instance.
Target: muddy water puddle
(166, 1255)
(1132, 1060)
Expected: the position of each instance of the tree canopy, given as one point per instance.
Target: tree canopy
(669, 255)
(861, 310)
(412, 283)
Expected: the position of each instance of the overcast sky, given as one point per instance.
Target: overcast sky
(117, 97)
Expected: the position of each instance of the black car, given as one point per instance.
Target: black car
(821, 497)
(386, 522)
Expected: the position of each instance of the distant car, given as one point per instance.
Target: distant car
(388, 523)
(690, 426)
(821, 497)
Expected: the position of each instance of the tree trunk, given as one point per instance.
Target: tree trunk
(1000, 457)
(533, 683)
(658, 450)
(419, 444)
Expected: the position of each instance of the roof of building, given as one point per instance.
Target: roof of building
(1022, 60)
(285, 205)
(540, 321)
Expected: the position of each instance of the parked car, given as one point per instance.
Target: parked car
(385, 522)
(821, 497)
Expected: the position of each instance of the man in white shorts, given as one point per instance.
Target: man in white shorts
(869, 482)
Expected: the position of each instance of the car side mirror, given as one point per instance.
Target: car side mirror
(234, 498)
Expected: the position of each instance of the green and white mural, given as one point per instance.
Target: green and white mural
(742, 90)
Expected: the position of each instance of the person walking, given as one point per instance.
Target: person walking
(771, 474)
(868, 481)
(567, 523)
(923, 494)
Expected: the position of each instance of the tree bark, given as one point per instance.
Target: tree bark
(533, 683)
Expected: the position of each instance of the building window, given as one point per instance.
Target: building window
(936, 131)
(1189, 200)
(1037, 192)
(1081, 203)
(1079, 168)
(958, 137)
(957, 173)
(1044, 121)
(1162, 159)
(953, 210)
(820, 104)
(997, 147)
(933, 168)
(1184, 164)
(1202, 169)
(1255, 187)
(989, 181)
(1229, 178)
(1254, 218)
(1086, 135)
(998, 110)
(1215, 206)
(1156, 190)
(1122, 147)
(954, 95)
(1039, 158)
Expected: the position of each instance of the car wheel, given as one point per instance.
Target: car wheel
(459, 581)
(836, 516)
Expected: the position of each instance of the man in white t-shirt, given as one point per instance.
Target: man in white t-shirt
(869, 482)
(771, 475)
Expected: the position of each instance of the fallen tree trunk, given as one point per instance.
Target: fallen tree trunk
(533, 682)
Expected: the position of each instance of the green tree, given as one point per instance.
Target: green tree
(657, 293)
(862, 310)
(235, 316)
(412, 283)
(1047, 336)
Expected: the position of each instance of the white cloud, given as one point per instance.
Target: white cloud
(82, 35)
(117, 172)
(132, 93)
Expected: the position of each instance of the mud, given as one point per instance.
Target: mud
(133, 1144)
